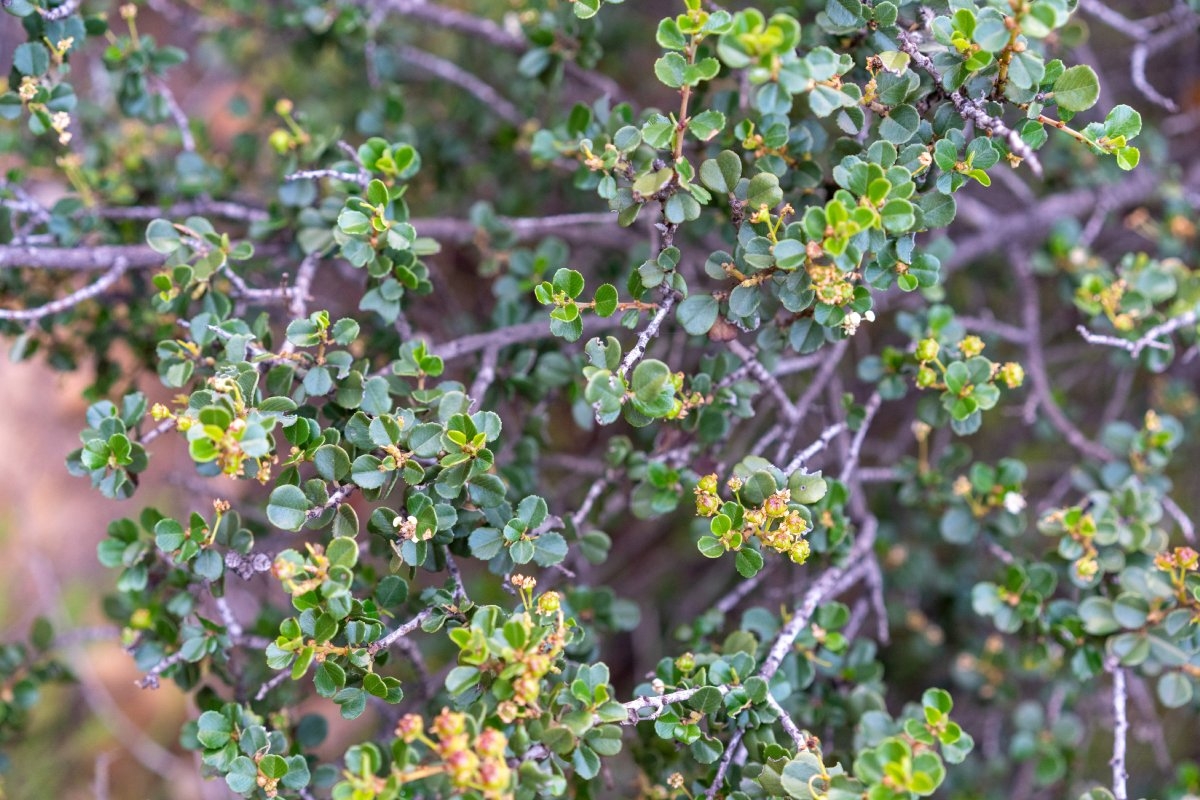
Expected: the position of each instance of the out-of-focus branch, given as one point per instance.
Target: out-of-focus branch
(452, 73)
(764, 377)
(80, 259)
(94, 289)
(489, 32)
(1035, 364)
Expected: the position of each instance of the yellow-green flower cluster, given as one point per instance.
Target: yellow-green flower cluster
(472, 763)
(778, 525)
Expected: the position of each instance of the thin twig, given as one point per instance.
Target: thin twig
(298, 306)
(360, 178)
(100, 772)
(150, 679)
(817, 446)
(460, 589)
(860, 436)
(970, 109)
(486, 374)
(80, 259)
(305, 274)
(176, 111)
(647, 335)
(521, 333)
(788, 724)
(1120, 730)
(487, 31)
(225, 209)
(336, 499)
(723, 767)
(232, 626)
(1141, 54)
(404, 630)
(742, 589)
(1186, 527)
(1149, 339)
(265, 689)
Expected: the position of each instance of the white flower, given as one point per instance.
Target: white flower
(1014, 503)
(852, 321)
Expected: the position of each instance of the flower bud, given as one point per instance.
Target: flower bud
(927, 350)
(409, 728)
(1012, 374)
(280, 141)
(549, 603)
(707, 504)
(970, 346)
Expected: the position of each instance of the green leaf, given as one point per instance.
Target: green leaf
(748, 562)
(605, 300)
(162, 237)
(31, 58)
(698, 313)
(287, 507)
(1174, 689)
(569, 282)
(707, 124)
(273, 766)
(721, 174)
(764, 191)
(671, 70)
(331, 462)
(242, 776)
(900, 125)
(1077, 89)
(213, 730)
(1122, 121)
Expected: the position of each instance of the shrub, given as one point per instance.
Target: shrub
(441, 459)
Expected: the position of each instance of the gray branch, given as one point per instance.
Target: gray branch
(94, 289)
(452, 73)
(1149, 339)
(970, 109)
(1120, 730)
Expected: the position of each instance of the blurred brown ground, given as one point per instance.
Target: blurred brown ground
(104, 736)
